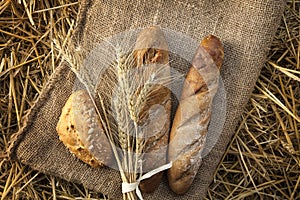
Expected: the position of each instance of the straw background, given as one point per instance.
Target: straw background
(262, 161)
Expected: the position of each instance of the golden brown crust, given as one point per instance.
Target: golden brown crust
(214, 47)
(192, 117)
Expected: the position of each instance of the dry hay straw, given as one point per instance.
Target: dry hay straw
(28, 57)
(262, 161)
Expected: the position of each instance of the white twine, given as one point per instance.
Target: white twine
(128, 187)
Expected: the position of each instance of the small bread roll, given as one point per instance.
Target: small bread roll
(80, 130)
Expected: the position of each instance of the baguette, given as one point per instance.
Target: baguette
(190, 124)
(152, 52)
(80, 130)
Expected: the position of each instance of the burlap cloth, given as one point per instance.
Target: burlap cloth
(246, 28)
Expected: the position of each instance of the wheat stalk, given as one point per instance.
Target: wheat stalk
(124, 92)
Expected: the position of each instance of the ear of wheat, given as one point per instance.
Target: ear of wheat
(120, 95)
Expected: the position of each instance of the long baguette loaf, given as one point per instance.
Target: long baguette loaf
(79, 128)
(152, 53)
(192, 117)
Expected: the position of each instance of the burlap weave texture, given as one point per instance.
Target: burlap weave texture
(246, 28)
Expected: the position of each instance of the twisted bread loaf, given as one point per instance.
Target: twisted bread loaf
(189, 128)
(152, 53)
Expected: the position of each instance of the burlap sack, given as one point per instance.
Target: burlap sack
(246, 28)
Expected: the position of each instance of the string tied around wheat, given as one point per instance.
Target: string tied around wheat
(129, 187)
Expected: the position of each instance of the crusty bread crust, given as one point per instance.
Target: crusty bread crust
(77, 127)
(193, 114)
(154, 55)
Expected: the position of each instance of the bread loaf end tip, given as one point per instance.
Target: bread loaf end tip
(214, 47)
